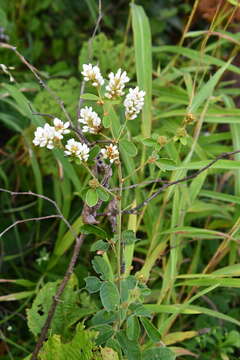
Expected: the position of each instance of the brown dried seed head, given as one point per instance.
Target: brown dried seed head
(162, 140)
(93, 183)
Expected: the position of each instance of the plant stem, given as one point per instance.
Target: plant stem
(120, 249)
(121, 131)
(57, 296)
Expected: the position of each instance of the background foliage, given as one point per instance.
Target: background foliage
(188, 231)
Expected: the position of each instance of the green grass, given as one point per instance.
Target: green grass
(187, 248)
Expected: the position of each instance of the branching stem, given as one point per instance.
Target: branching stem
(186, 178)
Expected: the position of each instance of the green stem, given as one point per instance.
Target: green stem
(120, 249)
(121, 131)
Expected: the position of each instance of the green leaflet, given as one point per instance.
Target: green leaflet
(152, 332)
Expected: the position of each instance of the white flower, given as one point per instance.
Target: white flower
(6, 69)
(110, 152)
(75, 148)
(90, 119)
(46, 136)
(61, 127)
(116, 84)
(134, 102)
(93, 74)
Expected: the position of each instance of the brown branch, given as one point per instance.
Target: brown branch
(186, 178)
(79, 240)
(27, 220)
(140, 184)
(80, 135)
(77, 247)
(57, 296)
(16, 193)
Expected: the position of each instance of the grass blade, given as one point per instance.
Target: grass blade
(143, 58)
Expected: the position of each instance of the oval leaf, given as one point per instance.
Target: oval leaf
(109, 295)
(103, 195)
(91, 197)
(128, 146)
(93, 229)
(101, 267)
(100, 245)
(133, 328)
(93, 284)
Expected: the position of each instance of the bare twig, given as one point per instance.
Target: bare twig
(100, 16)
(35, 72)
(77, 247)
(27, 220)
(90, 53)
(186, 178)
(57, 296)
(80, 135)
(16, 193)
(140, 184)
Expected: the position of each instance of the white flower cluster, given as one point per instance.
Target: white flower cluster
(90, 119)
(48, 136)
(93, 74)
(76, 149)
(134, 103)
(51, 136)
(116, 84)
(110, 152)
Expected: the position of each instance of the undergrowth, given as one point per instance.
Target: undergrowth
(156, 225)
